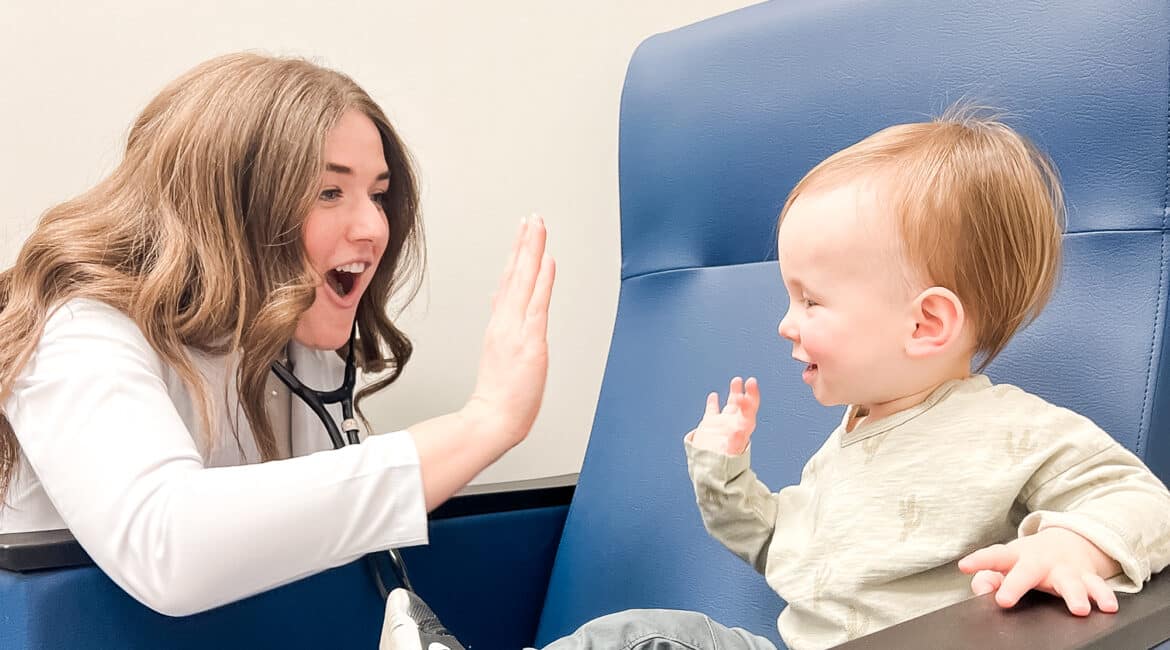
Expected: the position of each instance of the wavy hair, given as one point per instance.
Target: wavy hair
(219, 173)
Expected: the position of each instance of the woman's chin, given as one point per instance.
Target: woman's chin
(328, 322)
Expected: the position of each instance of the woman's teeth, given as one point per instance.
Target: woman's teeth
(353, 267)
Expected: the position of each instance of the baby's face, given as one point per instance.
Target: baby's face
(850, 308)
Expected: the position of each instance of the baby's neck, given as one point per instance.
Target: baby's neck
(871, 412)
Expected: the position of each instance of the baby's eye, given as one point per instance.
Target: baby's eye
(331, 194)
(809, 303)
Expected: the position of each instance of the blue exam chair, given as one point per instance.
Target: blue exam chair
(718, 121)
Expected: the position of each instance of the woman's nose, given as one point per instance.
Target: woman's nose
(368, 222)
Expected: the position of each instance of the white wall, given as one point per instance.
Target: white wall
(509, 107)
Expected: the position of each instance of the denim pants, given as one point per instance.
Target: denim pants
(659, 629)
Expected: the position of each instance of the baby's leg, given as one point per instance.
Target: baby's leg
(659, 629)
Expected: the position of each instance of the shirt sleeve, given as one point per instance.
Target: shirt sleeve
(94, 419)
(737, 508)
(1098, 489)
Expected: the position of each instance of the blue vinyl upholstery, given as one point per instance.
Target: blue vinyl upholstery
(718, 122)
(485, 575)
(81, 608)
(500, 562)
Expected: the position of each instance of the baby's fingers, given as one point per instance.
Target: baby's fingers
(985, 582)
(1100, 592)
(999, 557)
(1073, 591)
(734, 395)
(751, 399)
(1017, 582)
(712, 405)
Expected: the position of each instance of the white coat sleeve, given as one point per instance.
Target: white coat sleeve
(95, 421)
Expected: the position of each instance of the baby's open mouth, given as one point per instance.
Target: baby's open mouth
(344, 278)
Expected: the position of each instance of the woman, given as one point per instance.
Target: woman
(263, 208)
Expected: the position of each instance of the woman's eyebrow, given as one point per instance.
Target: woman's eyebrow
(342, 169)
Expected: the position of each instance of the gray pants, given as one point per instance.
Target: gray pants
(659, 629)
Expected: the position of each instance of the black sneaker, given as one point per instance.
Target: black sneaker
(411, 625)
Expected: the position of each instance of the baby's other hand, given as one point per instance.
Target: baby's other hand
(727, 431)
(1055, 560)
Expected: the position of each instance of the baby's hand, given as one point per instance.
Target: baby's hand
(1055, 560)
(728, 431)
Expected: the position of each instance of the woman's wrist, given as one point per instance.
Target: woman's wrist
(484, 420)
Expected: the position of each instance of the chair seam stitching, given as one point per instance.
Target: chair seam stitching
(1147, 410)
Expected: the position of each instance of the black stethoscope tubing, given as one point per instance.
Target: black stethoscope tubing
(317, 400)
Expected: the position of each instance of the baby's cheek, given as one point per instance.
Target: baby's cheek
(816, 344)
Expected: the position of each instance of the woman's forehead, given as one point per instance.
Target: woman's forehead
(355, 144)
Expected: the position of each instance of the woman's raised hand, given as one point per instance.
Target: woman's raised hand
(514, 363)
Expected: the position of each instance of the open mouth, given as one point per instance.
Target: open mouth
(810, 371)
(343, 279)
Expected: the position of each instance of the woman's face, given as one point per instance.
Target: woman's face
(346, 232)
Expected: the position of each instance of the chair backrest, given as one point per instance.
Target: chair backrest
(718, 122)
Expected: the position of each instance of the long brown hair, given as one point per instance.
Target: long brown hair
(196, 235)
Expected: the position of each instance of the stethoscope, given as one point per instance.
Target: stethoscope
(316, 400)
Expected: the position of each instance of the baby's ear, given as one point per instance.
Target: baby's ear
(939, 322)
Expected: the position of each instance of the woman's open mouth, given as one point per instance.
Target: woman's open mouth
(344, 278)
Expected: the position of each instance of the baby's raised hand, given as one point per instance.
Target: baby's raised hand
(727, 431)
(1055, 560)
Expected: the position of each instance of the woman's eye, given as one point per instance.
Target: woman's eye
(330, 194)
(378, 197)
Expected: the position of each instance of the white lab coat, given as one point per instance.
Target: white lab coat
(108, 451)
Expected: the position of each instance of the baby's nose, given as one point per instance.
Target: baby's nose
(788, 329)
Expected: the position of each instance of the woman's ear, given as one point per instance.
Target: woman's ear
(939, 322)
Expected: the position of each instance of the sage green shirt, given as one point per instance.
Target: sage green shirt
(873, 532)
